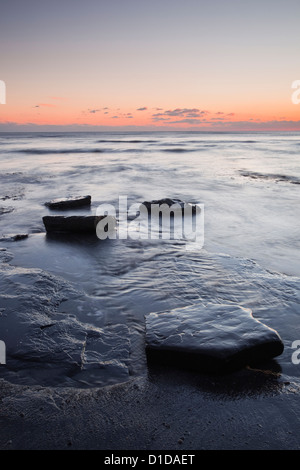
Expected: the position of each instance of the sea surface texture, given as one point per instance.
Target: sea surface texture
(73, 307)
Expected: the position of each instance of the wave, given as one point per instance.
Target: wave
(223, 141)
(34, 151)
(270, 177)
(135, 141)
(180, 150)
(175, 147)
(50, 136)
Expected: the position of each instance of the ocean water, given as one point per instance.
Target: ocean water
(249, 185)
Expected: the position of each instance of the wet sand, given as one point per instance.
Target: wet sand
(167, 410)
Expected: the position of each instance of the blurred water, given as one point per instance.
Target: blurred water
(248, 183)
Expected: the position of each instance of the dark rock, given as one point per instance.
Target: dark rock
(69, 203)
(71, 224)
(181, 205)
(215, 338)
(14, 238)
(19, 236)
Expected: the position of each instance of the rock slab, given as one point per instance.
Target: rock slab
(212, 338)
(74, 223)
(47, 347)
(69, 203)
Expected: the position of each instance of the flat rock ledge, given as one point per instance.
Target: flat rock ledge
(69, 203)
(49, 347)
(212, 338)
(60, 223)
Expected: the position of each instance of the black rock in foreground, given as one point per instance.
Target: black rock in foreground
(69, 203)
(74, 223)
(213, 338)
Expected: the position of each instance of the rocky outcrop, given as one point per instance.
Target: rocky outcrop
(214, 338)
(69, 203)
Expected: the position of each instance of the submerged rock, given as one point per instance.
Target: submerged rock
(177, 203)
(215, 338)
(69, 203)
(71, 224)
(14, 238)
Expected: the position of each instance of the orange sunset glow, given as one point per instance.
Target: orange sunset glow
(122, 65)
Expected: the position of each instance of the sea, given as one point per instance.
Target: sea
(248, 185)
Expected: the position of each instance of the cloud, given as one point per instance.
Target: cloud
(155, 119)
(188, 121)
(93, 111)
(182, 112)
(142, 109)
(126, 115)
(191, 116)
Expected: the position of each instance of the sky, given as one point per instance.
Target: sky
(149, 65)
